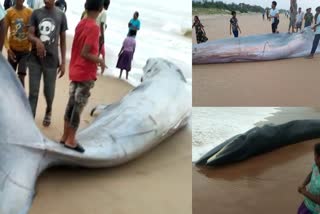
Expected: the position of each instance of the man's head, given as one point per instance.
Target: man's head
(106, 4)
(309, 10)
(136, 15)
(19, 3)
(318, 10)
(274, 4)
(49, 3)
(233, 13)
(299, 9)
(94, 5)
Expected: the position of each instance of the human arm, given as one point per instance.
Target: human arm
(312, 197)
(11, 54)
(230, 27)
(86, 54)
(2, 27)
(62, 66)
(307, 180)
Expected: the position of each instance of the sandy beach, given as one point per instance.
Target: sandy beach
(157, 182)
(263, 184)
(290, 82)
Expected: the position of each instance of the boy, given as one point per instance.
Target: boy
(316, 39)
(310, 188)
(83, 71)
(308, 18)
(17, 20)
(134, 23)
(300, 16)
(47, 26)
(234, 25)
(274, 16)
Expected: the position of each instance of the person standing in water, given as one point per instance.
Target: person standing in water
(134, 23)
(274, 16)
(83, 72)
(316, 39)
(126, 53)
(234, 26)
(48, 26)
(308, 18)
(310, 188)
(17, 20)
(200, 32)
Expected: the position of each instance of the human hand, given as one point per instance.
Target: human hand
(302, 189)
(102, 65)
(41, 50)
(61, 70)
(11, 55)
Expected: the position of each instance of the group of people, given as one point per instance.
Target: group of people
(296, 21)
(35, 37)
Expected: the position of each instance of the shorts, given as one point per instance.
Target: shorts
(274, 26)
(79, 93)
(235, 33)
(298, 24)
(21, 62)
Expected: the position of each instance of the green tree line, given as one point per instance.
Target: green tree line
(242, 7)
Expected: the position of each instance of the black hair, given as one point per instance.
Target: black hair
(137, 13)
(233, 12)
(106, 4)
(317, 149)
(94, 5)
(274, 3)
(132, 33)
(317, 14)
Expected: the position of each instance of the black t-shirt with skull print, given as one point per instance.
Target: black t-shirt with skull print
(48, 26)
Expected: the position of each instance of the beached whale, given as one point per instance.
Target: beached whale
(259, 140)
(151, 112)
(254, 48)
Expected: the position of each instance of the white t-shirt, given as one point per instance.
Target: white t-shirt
(102, 18)
(2, 12)
(300, 17)
(318, 27)
(274, 12)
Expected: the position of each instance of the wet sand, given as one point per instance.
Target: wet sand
(157, 182)
(289, 82)
(263, 184)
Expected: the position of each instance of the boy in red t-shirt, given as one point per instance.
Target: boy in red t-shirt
(83, 71)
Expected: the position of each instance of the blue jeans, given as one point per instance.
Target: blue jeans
(315, 43)
(235, 33)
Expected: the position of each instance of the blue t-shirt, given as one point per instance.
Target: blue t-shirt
(134, 23)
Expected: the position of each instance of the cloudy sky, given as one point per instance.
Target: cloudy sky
(282, 4)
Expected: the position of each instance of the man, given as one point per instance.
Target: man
(48, 25)
(17, 20)
(316, 39)
(274, 16)
(299, 19)
(134, 23)
(308, 18)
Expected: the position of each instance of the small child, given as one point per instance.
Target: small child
(234, 26)
(134, 23)
(83, 71)
(126, 53)
(310, 188)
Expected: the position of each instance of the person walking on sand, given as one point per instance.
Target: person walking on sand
(316, 39)
(200, 32)
(234, 26)
(263, 14)
(83, 71)
(126, 53)
(274, 16)
(292, 21)
(48, 26)
(17, 20)
(134, 23)
(310, 188)
(300, 16)
(308, 18)
(2, 27)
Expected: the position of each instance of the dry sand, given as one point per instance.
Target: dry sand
(157, 182)
(290, 82)
(263, 184)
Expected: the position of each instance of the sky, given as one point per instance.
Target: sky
(282, 4)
